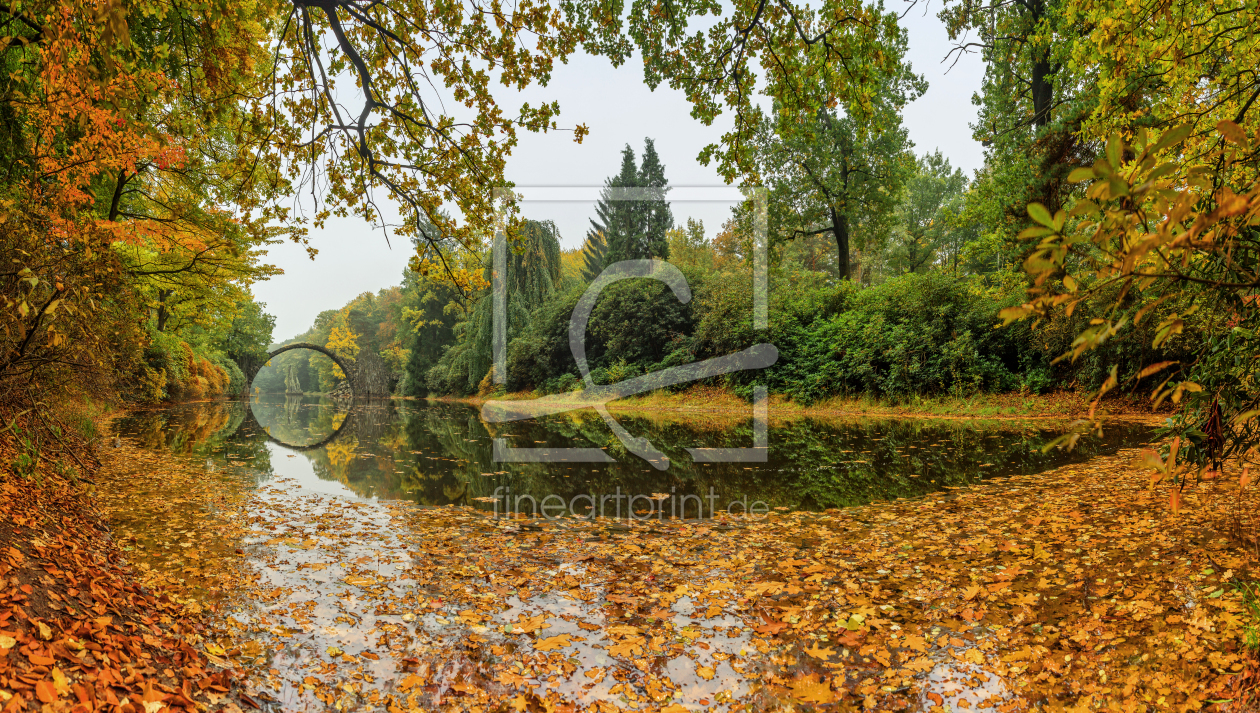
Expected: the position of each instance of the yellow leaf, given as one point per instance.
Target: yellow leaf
(820, 653)
(923, 664)
(527, 624)
(555, 642)
(916, 643)
(629, 647)
(60, 682)
(705, 672)
(811, 690)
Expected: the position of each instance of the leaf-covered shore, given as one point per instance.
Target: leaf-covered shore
(78, 629)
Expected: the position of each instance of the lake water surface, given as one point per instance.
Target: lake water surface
(441, 453)
(353, 584)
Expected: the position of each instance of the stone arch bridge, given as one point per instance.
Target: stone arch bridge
(368, 377)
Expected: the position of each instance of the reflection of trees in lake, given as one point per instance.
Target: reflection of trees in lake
(441, 453)
(209, 429)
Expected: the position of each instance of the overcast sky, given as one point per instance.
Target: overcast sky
(619, 109)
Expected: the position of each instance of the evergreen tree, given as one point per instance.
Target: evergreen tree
(655, 217)
(594, 250)
(632, 229)
(616, 219)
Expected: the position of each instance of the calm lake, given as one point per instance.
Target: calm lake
(312, 533)
(438, 454)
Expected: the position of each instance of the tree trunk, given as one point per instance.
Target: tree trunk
(1042, 87)
(1042, 93)
(840, 228)
(162, 312)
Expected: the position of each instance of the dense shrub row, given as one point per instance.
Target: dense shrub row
(913, 335)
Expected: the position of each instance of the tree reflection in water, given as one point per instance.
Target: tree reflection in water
(440, 453)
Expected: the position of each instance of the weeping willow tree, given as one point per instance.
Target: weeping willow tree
(532, 276)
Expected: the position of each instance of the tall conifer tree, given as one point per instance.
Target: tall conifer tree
(631, 229)
(655, 216)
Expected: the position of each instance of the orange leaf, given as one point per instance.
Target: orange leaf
(1174, 500)
(811, 690)
(819, 652)
(45, 691)
(555, 642)
(1233, 132)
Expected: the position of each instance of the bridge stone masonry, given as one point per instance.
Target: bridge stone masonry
(368, 377)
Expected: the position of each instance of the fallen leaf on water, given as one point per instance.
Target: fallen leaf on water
(819, 652)
(555, 642)
(811, 690)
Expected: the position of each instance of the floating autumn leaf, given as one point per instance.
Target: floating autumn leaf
(705, 672)
(771, 628)
(854, 622)
(511, 678)
(768, 588)
(810, 690)
(527, 624)
(818, 652)
(973, 656)
(627, 647)
(554, 642)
